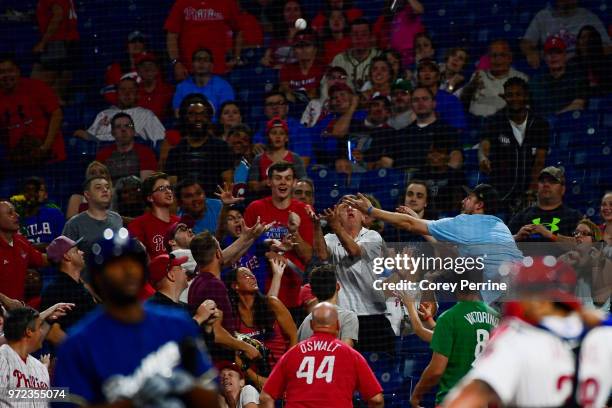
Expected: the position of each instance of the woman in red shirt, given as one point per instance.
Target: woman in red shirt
(336, 36)
(263, 318)
(277, 132)
(321, 20)
(280, 51)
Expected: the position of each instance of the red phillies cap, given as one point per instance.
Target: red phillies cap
(161, 265)
(305, 37)
(277, 122)
(229, 365)
(554, 43)
(144, 57)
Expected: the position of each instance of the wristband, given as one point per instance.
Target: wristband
(370, 209)
(553, 238)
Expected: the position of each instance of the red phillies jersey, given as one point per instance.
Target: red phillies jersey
(204, 24)
(293, 74)
(158, 101)
(68, 29)
(319, 370)
(150, 230)
(26, 112)
(14, 262)
(291, 282)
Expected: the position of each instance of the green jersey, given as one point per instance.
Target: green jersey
(460, 335)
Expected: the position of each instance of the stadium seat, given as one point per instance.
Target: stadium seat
(330, 186)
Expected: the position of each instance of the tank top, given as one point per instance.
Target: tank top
(275, 341)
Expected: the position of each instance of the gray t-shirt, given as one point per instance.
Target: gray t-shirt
(349, 326)
(248, 395)
(547, 23)
(90, 229)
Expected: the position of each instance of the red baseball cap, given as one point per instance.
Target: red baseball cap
(554, 43)
(305, 37)
(144, 57)
(229, 365)
(161, 265)
(276, 122)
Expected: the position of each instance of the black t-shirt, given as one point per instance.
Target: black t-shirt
(204, 163)
(409, 147)
(562, 220)
(64, 289)
(511, 163)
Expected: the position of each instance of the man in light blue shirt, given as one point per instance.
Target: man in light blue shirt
(195, 208)
(476, 232)
(202, 81)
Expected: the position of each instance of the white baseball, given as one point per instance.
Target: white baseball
(300, 24)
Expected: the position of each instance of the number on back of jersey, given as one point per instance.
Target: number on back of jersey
(325, 370)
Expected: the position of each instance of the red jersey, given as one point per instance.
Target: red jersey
(266, 162)
(332, 47)
(158, 101)
(26, 111)
(150, 230)
(319, 370)
(68, 29)
(265, 209)
(200, 24)
(14, 262)
(298, 81)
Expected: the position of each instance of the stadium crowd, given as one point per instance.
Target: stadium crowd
(202, 213)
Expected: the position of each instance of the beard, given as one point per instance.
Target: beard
(115, 295)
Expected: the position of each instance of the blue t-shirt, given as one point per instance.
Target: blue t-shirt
(479, 235)
(254, 259)
(217, 91)
(45, 226)
(451, 110)
(300, 137)
(210, 219)
(103, 358)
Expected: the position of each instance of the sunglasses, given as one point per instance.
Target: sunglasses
(577, 234)
(163, 189)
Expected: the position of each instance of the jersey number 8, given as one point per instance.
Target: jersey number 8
(325, 370)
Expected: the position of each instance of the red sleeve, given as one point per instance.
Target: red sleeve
(46, 97)
(252, 33)
(318, 23)
(147, 158)
(233, 16)
(104, 154)
(276, 384)
(35, 258)
(173, 137)
(174, 22)
(250, 215)
(285, 74)
(367, 383)
(113, 74)
(306, 227)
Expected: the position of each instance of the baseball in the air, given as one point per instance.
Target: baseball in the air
(300, 24)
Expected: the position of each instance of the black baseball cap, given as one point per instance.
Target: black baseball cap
(487, 194)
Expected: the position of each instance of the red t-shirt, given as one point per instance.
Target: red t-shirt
(150, 230)
(200, 24)
(319, 370)
(299, 81)
(14, 262)
(26, 111)
(146, 156)
(331, 48)
(252, 32)
(158, 100)
(291, 282)
(266, 162)
(320, 21)
(68, 29)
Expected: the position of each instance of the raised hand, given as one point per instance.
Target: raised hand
(278, 265)
(56, 311)
(359, 202)
(225, 194)
(256, 230)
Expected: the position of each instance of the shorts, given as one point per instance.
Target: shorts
(60, 56)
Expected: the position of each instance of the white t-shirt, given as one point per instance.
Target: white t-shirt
(356, 275)
(595, 372)
(248, 394)
(527, 365)
(15, 373)
(518, 129)
(146, 124)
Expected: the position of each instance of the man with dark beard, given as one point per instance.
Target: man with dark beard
(199, 154)
(128, 354)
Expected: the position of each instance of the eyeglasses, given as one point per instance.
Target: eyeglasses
(578, 233)
(163, 188)
(183, 228)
